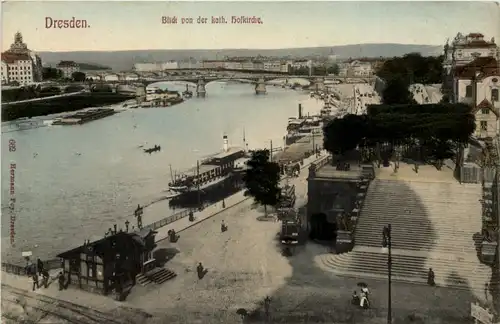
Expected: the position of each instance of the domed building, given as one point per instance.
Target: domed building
(20, 64)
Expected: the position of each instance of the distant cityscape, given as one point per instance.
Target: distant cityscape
(22, 66)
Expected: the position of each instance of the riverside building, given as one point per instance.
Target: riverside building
(19, 64)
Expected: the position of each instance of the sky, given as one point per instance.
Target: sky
(138, 25)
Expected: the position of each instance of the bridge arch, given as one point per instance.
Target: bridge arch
(93, 76)
(111, 77)
(131, 76)
(290, 80)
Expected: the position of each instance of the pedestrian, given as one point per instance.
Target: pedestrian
(34, 278)
(45, 280)
(39, 265)
(430, 278)
(60, 278)
(200, 269)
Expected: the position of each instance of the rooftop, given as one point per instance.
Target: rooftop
(330, 171)
(230, 151)
(13, 57)
(485, 66)
(97, 244)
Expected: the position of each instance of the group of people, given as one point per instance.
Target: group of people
(40, 276)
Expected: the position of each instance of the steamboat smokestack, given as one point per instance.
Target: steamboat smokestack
(226, 143)
(300, 111)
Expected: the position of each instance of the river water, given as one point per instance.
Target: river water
(74, 182)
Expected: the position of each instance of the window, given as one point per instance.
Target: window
(494, 95)
(485, 111)
(484, 125)
(468, 91)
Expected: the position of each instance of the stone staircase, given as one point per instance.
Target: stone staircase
(156, 276)
(433, 224)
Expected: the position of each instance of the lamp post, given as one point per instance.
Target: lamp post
(271, 152)
(389, 274)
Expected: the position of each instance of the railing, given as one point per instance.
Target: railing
(21, 270)
(167, 220)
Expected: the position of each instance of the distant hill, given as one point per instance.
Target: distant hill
(124, 60)
(92, 67)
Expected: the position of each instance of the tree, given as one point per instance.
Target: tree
(414, 68)
(440, 150)
(319, 70)
(334, 69)
(438, 129)
(396, 93)
(342, 135)
(78, 76)
(49, 73)
(262, 179)
(303, 70)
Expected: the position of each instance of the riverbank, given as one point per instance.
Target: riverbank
(60, 104)
(80, 180)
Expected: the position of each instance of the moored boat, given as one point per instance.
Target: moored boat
(209, 172)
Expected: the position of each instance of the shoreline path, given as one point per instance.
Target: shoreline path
(244, 266)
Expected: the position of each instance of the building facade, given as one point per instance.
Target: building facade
(213, 64)
(478, 84)
(233, 65)
(5, 73)
(68, 68)
(190, 65)
(156, 67)
(361, 69)
(357, 68)
(19, 64)
(170, 65)
(462, 51)
(272, 66)
(111, 263)
(19, 68)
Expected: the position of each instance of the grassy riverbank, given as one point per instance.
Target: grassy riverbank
(61, 104)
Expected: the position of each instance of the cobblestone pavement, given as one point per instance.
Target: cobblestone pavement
(245, 264)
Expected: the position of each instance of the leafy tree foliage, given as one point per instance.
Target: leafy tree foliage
(396, 93)
(316, 70)
(414, 68)
(78, 76)
(303, 70)
(319, 70)
(49, 73)
(334, 69)
(441, 128)
(262, 179)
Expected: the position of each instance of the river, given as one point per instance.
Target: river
(73, 182)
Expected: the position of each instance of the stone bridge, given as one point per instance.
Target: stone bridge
(153, 77)
(250, 79)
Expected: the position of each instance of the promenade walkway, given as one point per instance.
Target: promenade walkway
(106, 304)
(216, 208)
(44, 98)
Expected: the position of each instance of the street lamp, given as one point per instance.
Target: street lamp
(389, 273)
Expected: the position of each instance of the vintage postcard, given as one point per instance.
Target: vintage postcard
(250, 162)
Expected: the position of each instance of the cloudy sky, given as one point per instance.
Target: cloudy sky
(138, 25)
